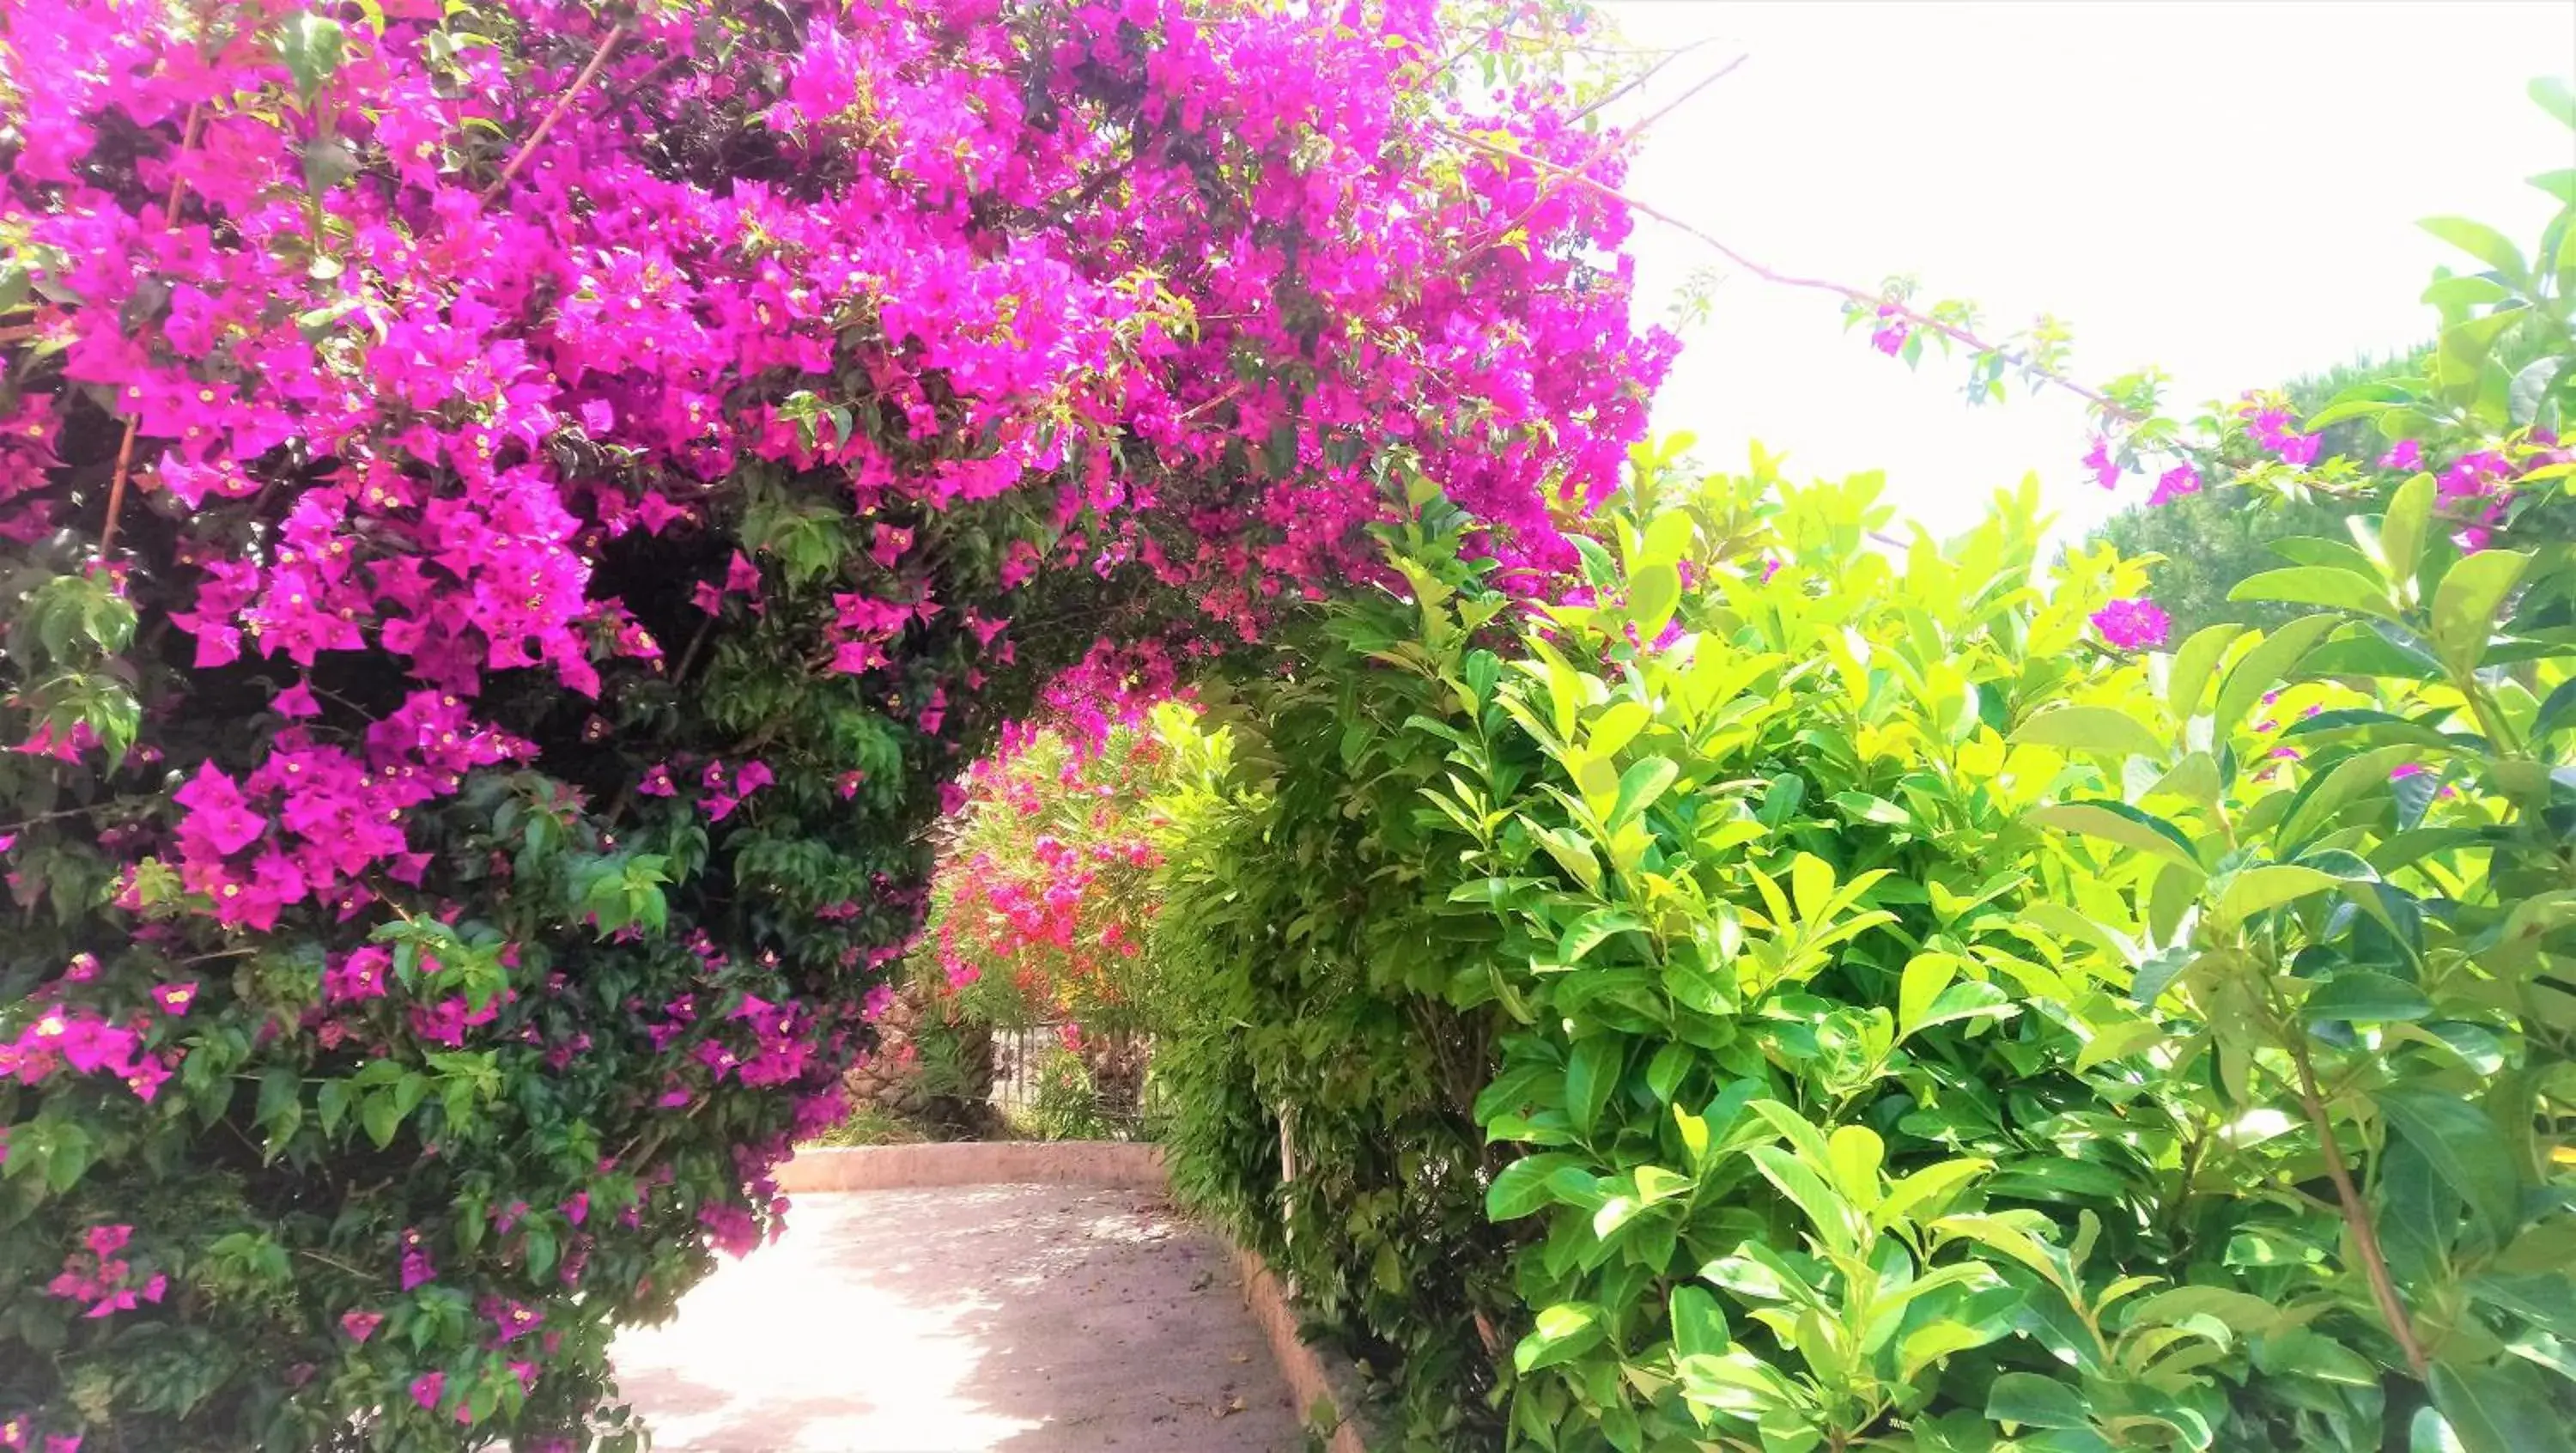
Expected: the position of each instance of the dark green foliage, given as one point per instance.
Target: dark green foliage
(1311, 952)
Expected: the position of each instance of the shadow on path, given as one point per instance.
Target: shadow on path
(968, 1319)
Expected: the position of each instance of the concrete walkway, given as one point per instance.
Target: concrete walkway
(966, 1319)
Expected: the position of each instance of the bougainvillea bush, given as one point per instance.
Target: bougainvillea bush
(512, 513)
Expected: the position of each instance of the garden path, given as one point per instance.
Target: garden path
(966, 1319)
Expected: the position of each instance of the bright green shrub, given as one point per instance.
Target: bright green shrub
(1921, 1023)
(1917, 1014)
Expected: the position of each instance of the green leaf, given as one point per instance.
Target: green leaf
(1926, 975)
(2192, 664)
(1856, 1152)
(1564, 1331)
(2553, 95)
(2330, 792)
(1641, 786)
(1811, 886)
(2402, 531)
(2464, 1149)
(1653, 592)
(1616, 726)
(1972, 999)
(68, 1157)
(2361, 996)
(1654, 1184)
(538, 1245)
(2112, 1041)
(331, 1101)
(2465, 607)
(2253, 890)
(2500, 1408)
(1862, 807)
(2264, 666)
(2556, 712)
(2034, 1401)
(1521, 1188)
(328, 162)
(1935, 1340)
(1928, 1189)
(1591, 1072)
(382, 1115)
(2117, 822)
(2480, 241)
(312, 47)
(1667, 539)
(1588, 932)
(2298, 1352)
(2091, 729)
(1694, 1132)
(1794, 1178)
(1699, 1326)
(2240, 1312)
(2530, 388)
(2317, 585)
(2548, 1299)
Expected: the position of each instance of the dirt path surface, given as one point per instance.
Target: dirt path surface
(968, 1319)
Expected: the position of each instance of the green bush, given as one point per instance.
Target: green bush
(1303, 962)
(1877, 1005)
(1062, 1105)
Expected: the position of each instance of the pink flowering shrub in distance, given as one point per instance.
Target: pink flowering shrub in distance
(1043, 900)
(512, 514)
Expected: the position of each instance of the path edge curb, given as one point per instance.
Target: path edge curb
(1316, 1376)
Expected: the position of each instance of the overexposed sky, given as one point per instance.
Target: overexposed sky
(2226, 190)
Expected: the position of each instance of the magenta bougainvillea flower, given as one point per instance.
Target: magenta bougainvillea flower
(2132, 625)
(2106, 470)
(2174, 483)
(2269, 422)
(1890, 335)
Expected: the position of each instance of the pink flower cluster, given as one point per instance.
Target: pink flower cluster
(2474, 488)
(67, 1037)
(313, 820)
(18, 1431)
(2133, 625)
(1048, 884)
(97, 1275)
(442, 533)
(2268, 420)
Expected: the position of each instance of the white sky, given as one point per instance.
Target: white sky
(2226, 190)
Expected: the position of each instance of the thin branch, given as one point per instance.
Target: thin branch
(1956, 334)
(332, 1261)
(125, 446)
(555, 113)
(1609, 142)
(1648, 74)
(22, 824)
(2356, 1216)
